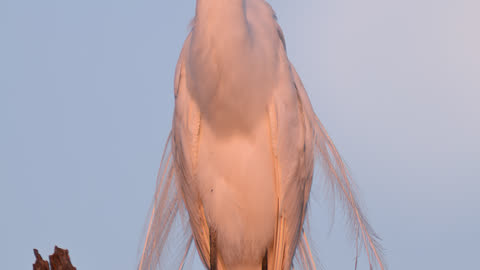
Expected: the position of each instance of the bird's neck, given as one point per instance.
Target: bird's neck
(230, 76)
(221, 13)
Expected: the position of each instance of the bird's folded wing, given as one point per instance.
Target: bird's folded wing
(293, 170)
(186, 131)
(174, 192)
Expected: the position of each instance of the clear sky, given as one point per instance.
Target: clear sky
(86, 103)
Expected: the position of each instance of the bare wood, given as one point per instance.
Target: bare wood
(59, 260)
(40, 263)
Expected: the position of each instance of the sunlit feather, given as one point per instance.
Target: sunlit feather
(244, 145)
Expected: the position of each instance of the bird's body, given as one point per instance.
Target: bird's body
(233, 66)
(244, 143)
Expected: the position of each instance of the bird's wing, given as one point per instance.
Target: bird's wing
(299, 141)
(293, 163)
(186, 131)
(293, 188)
(174, 192)
(293, 171)
(337, 176)
(293, 160)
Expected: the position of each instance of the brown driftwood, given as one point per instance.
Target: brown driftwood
(40, 264)
(59, 260)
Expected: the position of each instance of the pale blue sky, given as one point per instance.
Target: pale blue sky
(86, 103)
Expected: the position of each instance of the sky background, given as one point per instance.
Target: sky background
(86, 103)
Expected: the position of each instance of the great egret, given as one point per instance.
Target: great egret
(241, 153)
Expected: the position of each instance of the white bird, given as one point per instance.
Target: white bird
(241, 153)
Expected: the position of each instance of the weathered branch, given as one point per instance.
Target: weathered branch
(59, 260)
(39, 264)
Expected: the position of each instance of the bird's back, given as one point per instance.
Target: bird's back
(245, 79)
(244, 140)
(236, 164)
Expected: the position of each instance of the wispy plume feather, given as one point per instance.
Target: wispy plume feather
(339, 180)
